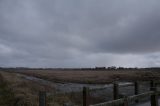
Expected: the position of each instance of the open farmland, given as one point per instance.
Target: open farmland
(92, 76)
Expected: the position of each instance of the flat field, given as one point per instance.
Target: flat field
(93, 76)
(24, 91)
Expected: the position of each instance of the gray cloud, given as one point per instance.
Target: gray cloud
(84, 33)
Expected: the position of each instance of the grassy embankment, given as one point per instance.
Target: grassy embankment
(7, 97)
(15, 90)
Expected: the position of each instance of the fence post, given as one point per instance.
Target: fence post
(125, 101)
(115, 91)
(85, 96)
(136, 90)
(42, 98)
(154, 97)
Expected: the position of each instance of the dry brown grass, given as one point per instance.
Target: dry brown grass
(93, 76)
(25, 91)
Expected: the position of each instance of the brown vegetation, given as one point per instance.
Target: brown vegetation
(89, 76)
(18, 91)
(24, 92)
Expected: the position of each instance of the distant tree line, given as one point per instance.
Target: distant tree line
(65, 69)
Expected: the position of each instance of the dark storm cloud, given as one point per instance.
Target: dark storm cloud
(60, 33)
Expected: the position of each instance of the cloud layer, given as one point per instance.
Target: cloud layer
(85, 33)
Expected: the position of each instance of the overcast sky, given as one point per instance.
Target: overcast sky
(79, 33)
